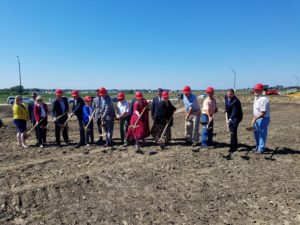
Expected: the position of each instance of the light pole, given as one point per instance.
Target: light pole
(234, 78)
(20, 77)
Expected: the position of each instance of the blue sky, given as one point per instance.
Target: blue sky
(85, 44)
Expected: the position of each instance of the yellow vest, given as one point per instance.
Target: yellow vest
(20, 112)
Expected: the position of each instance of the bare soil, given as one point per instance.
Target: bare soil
(178, 185)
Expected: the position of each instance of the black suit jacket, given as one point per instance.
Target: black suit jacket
(78, 108)
(154, 106)
(164, 113)
(57, 110)
(233, 109)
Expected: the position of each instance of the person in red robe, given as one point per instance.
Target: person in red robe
(139, 123)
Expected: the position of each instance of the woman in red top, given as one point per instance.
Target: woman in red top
(139, 123)
(40, 113)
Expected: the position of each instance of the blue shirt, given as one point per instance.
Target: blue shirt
(189, 102)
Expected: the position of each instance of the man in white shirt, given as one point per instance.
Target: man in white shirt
(123, 112)
(261, 119)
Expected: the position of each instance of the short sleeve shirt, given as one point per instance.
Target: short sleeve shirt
(209, 105)
(189, 102)
(261, 104)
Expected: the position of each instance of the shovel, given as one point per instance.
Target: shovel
(90, 120)
(160, 140)
(246, 157)
(135, 124)
(271, 156)
(251, 127)
(27, 133)
(56, 119)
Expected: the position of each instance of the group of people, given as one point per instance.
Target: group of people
(133, 118)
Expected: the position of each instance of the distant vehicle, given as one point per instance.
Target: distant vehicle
(115, 99)
(26, 100)
(202, 96)
(272, 92)
(180, 96)
(10, 100)
(71, 100)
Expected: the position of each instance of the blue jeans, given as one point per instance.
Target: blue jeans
(261, 133)
(207, 132)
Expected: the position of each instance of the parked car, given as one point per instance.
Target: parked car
(10, 100)
(26, 100)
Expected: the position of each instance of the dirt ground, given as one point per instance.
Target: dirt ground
(178, 185)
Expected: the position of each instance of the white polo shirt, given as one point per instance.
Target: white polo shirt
(261, 104)
(123, 107)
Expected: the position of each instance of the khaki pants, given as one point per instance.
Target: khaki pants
(192, 128)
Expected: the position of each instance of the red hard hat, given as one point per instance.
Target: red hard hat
(209, 90)
(102, 91)
(75, 93)
(165, 94)
(138, 95)
(186, 90)
(259, 87)
(88, 98)
(121, 96)
(59, 92)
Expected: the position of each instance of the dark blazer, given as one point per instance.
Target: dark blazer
(154, 106)
(78, 108)
(165, 111)
(57, 110)
(233, 109)
(31, 111)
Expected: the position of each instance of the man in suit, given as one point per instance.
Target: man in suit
(77, 110)
(234, 115)
(60, 107)
(107, 116)
(97, 107)
(154, 113)
(31, 115)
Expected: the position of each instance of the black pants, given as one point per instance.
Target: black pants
(89, 134)
(36, 131)
(81, 132)
(42, 132)
(58, 128)
(233, 127)
(99, 126)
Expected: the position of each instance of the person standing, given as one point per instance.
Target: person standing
(261, 119)
(107, 115)
(88, 111)
(60, 108)
(40, 114)
(154, 114)
(164, 119)
(31, 114)
(77, 110)
(20, 115)
(234, 115)
(123, 113)
(97, 107)
(192, 116)
(209, 109)
(139, 122)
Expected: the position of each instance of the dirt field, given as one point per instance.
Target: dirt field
(178, 185)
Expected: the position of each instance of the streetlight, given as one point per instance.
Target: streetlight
(234, 78)
(20, 78)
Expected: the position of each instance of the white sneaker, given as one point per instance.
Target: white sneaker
(87, 145)
(24, 146)
(41, 146)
